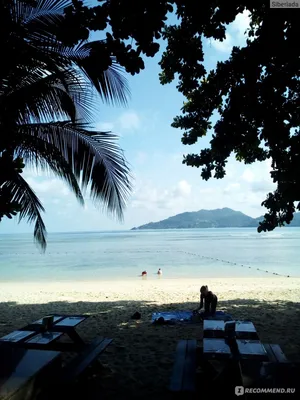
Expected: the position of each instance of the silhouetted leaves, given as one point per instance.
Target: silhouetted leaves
(46, 103)
(256, 93)
(50, 66)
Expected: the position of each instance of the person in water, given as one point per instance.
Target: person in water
(159, 272)
(209, 300)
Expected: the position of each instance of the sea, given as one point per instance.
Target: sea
(119, 255)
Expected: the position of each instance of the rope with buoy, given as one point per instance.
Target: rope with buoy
(234, 263)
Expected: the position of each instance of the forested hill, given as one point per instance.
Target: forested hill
(219, 218)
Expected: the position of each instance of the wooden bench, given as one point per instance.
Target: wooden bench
(184, 369)
(63, 386)
(80, 362)
(275, 353)
(279, 371)
(25, 373)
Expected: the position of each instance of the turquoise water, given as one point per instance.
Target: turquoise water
(124, 254)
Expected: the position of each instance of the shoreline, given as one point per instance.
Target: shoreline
(150, 278)
(160, 291)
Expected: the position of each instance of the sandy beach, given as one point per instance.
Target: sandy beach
(140, 359)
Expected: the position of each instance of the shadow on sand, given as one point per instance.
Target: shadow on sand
(138, 364)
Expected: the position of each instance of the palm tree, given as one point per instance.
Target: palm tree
(47, 92)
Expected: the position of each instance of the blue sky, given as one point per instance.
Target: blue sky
(163, 186)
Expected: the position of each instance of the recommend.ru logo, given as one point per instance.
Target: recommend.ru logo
(240, 390)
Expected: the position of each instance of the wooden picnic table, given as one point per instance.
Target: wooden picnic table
(244, 348)
(224, 362)
(248, 345)
(37, 347)
(34, 336)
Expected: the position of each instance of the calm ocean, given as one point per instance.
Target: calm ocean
(123, 255)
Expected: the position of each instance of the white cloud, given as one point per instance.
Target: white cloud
(243, 189)
(104, 126)
(235, 33)
(248, 175)
(183, 189)
(129, 121)
(258, 179)
(162, 188)
(224, 46)
(51, 186)
(149, 197)
(232, 187)
(263, 186)
(241, 24)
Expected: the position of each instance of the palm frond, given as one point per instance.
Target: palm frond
(31, 207)
(44, 80)
(40, 49)
(46, 9)
(111, 85)
(19, 10)
(38, 153)
(96, 160)
(56, 96)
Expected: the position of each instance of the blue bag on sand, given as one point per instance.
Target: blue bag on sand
(165, 317)
(218, 316)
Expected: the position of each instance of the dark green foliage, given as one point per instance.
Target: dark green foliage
(51, 66)
(10, 168)
(256, 93)
(46, 104)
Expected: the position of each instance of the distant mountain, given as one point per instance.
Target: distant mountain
(219, 218)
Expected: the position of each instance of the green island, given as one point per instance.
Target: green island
(219, 218)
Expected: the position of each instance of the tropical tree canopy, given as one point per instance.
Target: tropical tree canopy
(255, 92)
(47, 99)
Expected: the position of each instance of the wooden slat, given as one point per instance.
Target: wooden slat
(44, 338)
(178, 368)
(83, 360)
(53, 346)
(37, 325)
(269, 351)
(278, 353)
(17, 336)
(275, 353)
(188, 383)
(70, 321)
(23, 368)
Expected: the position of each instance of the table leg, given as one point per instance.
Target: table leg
(229, 378)
(73, 335)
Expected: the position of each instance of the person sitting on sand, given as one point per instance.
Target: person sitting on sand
(159, 272)
(209, 300)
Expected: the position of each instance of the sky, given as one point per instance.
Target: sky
(163, 186)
